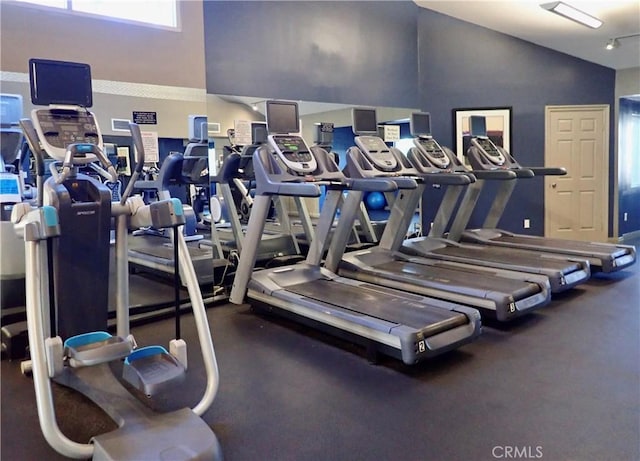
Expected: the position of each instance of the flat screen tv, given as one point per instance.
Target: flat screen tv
(420, 124)
(60, 82)
(282, 117)
(364, 121)
(478, 126)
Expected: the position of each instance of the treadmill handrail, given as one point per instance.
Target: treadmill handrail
(548, 171)
(372, 184)
(278, 181)
(359, 167)
(497, 175)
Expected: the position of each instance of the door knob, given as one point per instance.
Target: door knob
(554, 185)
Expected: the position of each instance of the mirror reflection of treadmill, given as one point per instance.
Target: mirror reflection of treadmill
(399, 324)
(278, 245)
(152, 251)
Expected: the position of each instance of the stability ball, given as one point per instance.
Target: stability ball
(375, 201)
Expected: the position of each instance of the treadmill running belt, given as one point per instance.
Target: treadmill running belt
(462, 281)
(564, 245)
(165, 252)
(381, 303)
(497, 254)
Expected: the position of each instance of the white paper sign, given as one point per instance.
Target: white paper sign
(391, 133)
(150, 143)
(242, 132)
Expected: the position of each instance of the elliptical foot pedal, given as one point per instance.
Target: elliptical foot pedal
(94, 348)
(152, 369)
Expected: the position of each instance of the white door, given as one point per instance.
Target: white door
(576, 205)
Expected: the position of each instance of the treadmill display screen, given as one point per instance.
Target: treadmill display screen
(59, 82)
(420, 124)
(364, 121)
(490, 148)
(293, 148)
(478, 126)
(431, 147)
(377, 152)
(324, 133)
(433, 151)
(374, 145)
(9, 188)
(258, 132)
(282, 117)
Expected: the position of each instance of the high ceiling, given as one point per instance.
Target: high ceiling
(525, 19)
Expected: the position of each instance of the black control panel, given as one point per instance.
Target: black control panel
(490, 150)
(433, 151)
(58, 128)
(294, 152)
(377, 152)
(293, 148)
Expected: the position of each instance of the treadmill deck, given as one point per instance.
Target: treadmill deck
(383, 304)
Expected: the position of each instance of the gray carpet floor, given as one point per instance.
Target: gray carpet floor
(560, 384)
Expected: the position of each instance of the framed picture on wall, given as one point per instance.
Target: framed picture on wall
(498, 127)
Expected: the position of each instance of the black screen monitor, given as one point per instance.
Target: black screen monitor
(282, 117)
(420, 124)
(258, 132)
(364, 121)
(478, 126)
(324, 133)
(60, 82)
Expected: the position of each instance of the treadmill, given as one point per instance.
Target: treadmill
(483, 154)
(275, 248)
(154, 252)
(502, 297)
(403, 325)
(564, 272)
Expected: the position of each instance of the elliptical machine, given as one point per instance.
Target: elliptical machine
(69, 343)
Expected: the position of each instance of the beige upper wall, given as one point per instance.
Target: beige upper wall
(627, 82)
(115, 50)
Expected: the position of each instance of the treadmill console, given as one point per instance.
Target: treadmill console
(430, 147)
(58, 128)
(489, 149)
(377, 152)
(294, 152)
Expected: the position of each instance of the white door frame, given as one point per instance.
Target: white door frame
(604, 188)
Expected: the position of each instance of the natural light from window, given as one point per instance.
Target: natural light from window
(157, 12)
(404, 145)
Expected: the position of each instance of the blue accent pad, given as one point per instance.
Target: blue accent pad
(177, 206)
(145, 352)
(86, 338)
(50, 216)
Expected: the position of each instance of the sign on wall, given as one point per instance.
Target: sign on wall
(145, 118)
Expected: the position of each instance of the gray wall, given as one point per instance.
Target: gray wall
(397, 54)
(463, 65)
(344, 52)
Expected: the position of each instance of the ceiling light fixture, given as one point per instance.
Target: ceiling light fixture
(612, 43)
(572, 13)
(615, 42)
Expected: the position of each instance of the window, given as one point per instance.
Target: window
(156, 12)
(404, 145)
(629, 141)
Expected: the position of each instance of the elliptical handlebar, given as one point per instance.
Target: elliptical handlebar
(31, 136)
(139, 145)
